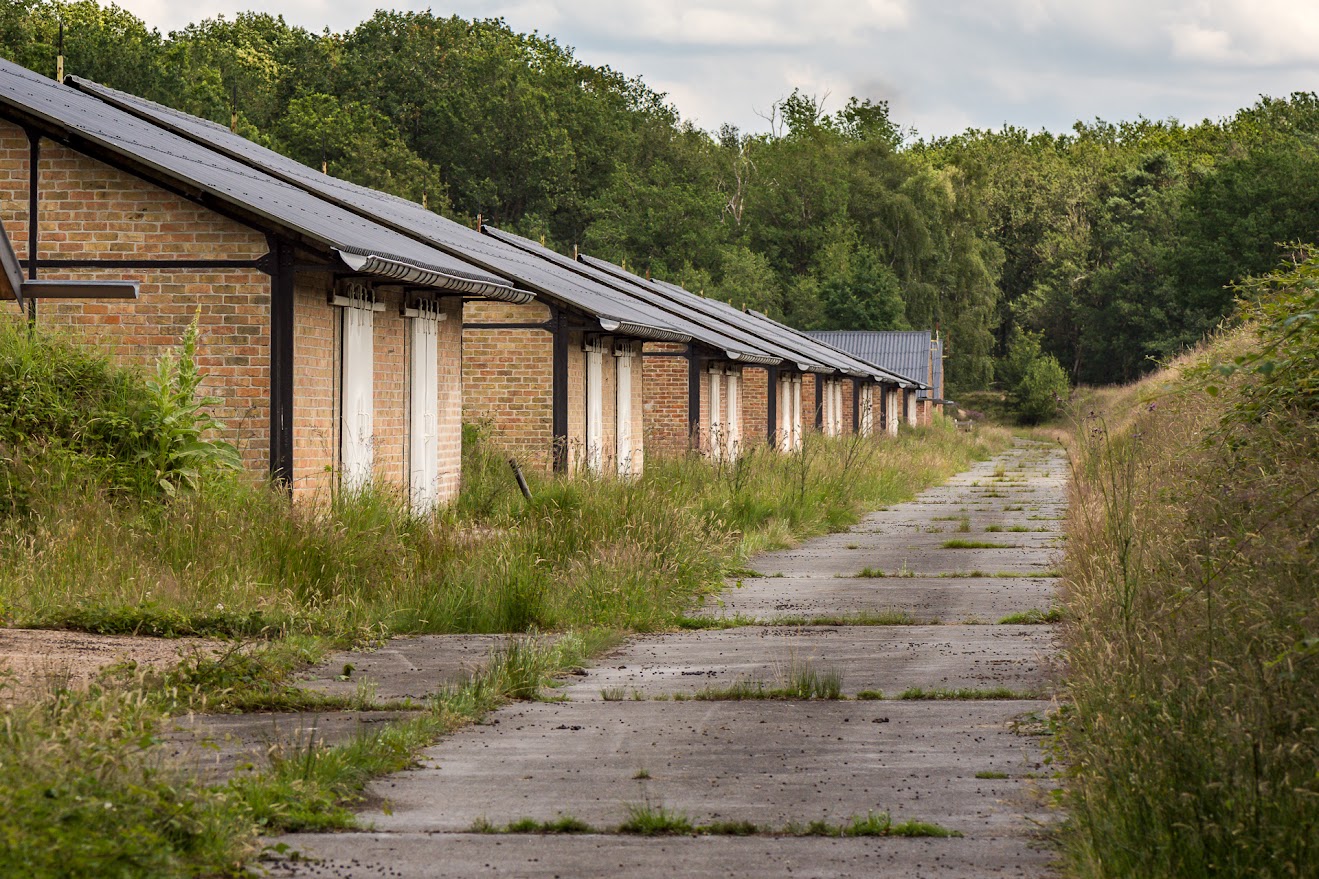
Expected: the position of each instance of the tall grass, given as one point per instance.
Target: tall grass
(1193, 731)
(233, 558)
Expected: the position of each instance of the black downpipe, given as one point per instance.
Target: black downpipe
(819, 403)
(856, 407)
(34, 176)
(559, 391)
(772, 405)
(693, 397)
(281, 366)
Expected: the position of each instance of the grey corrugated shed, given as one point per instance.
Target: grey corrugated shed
(183, 162)
(903, 351)
(613, 310)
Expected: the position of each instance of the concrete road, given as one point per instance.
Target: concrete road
(680, 725)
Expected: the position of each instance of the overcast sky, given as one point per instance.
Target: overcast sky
(943, 65)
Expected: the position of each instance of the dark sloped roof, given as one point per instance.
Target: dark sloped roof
(859, 366)
(737, 346)
(730, 319)
(615, 312)
(81, 118)
(903, 351)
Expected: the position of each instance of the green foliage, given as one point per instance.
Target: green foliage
(1037, 385)
(84, 794)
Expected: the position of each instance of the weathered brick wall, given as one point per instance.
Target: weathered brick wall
(88, 210)
(665, 399)
(810, 401)
(576, 401)
(755, 406)
(508, 377)
(390, 422)
(317, 350)
(449, 447)
(847, 390)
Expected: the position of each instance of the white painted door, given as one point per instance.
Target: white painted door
(357, 409)
(716, 414)
(595, 410)
(424, 409)
(796, 412)
(624, 411)
(733, 422)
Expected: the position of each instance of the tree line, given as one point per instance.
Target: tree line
(1105, 248)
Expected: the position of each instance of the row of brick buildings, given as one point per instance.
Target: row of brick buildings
(350, 333)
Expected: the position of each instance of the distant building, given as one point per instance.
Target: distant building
(917, 354)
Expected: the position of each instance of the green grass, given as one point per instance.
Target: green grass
(646, 819)
(1033, 617)
(975, 544)
(990, 774)
(888, 617)
(798, 680)
(869, 573)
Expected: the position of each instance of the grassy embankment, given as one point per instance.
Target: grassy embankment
(115, 517)
(1192, 732)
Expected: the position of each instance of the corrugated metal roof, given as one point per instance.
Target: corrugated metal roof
(616, 312)
(738, 346)
(859, 365)
(786, 345)
(903, 351)
(79, 116)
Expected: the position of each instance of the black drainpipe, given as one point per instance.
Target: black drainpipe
(819, 402)
(34, 161)
(281, 364)
(772, 405)
(559, 393)
(693, 397)
(856, 406)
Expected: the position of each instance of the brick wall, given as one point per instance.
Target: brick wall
(848, 386)
(665, 399)
(390, 422)
(450, 390)
(89, 210)
(508, 377)
(316, 362)
(810, 401)
(755, 406)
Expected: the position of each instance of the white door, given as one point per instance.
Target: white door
(624, 411)
(838, 408)
(796, 412)
(424, 409)
(595, 410)
(357, 410)
(716, 414)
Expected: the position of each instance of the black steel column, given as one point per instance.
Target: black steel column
(281, 365)
(34, 161)
(693, 398)
(559, 392)
(819, 402)
(772, 405)
(856, 407)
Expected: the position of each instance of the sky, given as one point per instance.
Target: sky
(943, 65)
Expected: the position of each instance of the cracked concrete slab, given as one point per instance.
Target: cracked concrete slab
(885, 658)
(932, 599)
(770, 764)
(592, 856)
(807, 561)
(219, 746)
(405, 668)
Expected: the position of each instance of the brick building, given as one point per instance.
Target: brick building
(332, 341)
(914, 353)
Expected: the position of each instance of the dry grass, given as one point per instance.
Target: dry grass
(1193, 732)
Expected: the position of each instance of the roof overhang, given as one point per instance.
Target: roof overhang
(425, 276)
(641, 331)
(753, 359)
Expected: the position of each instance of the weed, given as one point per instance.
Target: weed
(869, 573)
(641, 774)
(1032, 617)
(647, 819)
(869, 695)
(964, 524)
(993, 528)
(974, 544)
(990, 774)
(613, 694)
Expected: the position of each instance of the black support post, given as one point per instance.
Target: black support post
(819, 402)
(281, 365)
(693, 397)
(559, 393)
(772, 406)
(856, 406)
(33, 209)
